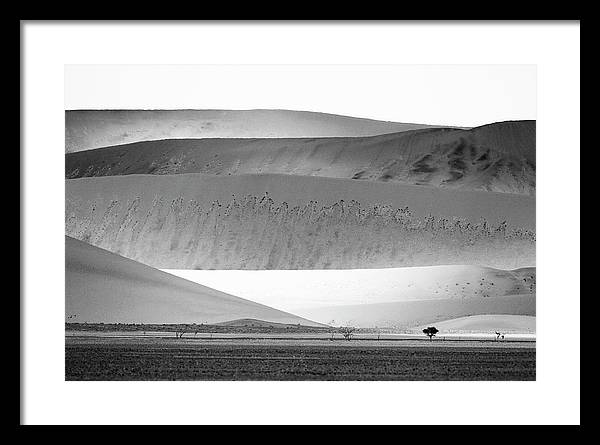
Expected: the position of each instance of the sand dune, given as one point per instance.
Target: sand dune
(312, 213)
(488, 323)
(87, 129)
(173, 222)
(410, 314)
(497, 157)
(290, 290)
(104, 287)
(251, 322)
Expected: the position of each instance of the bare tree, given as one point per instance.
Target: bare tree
(347, 332)
(333, 329)
(179, 332)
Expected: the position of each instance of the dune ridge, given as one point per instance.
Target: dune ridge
(87, 129)
(497, 157)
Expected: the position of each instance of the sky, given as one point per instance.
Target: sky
(458, 95)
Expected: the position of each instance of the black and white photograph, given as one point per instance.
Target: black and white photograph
(280, 244)
(303, 222)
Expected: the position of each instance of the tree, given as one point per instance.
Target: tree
(430, 332)
(332, 330)
(347, 332)
(179, 332)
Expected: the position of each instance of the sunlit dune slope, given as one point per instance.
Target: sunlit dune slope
(496, 157)
(488, 323)
(289, 290)
(253, 323)
(409, 314)
(175, 222)
(87, 129)
(104, 287)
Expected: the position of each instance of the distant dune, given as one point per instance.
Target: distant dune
(251, 322)
(410, 314)
(488, 323)
(104, 287)
(497, 157)
(290, 290)
(172, 222)
(87, 129)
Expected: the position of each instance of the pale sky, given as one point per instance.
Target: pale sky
(460, 95)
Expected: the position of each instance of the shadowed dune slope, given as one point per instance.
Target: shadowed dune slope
(409, 314)
(172, 222)
(104, 287)
(497, 157)
(87, 129)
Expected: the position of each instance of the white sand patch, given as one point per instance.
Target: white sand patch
(486, 323)
(404, 315)
(295, 289)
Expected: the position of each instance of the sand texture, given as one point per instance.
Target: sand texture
(194, 221)
(499, 157)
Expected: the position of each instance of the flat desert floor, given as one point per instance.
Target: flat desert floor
(319, 358)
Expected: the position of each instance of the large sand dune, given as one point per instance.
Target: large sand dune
(86, 129)
(497, 157)
(409, 314)
(104, 287)
(290, 290)
(173, 222)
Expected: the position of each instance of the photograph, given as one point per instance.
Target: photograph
(300, 223)
(288, 244)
